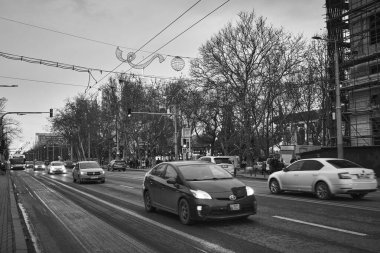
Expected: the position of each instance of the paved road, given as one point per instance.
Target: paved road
(63, 216)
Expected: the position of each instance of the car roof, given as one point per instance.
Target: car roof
(186, 162)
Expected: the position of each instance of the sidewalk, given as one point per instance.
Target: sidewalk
(12, 239)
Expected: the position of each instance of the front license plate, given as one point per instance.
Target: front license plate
(94, 177)
(224, 166)
(235, 207)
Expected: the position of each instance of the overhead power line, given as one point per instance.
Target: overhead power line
(175, 20)
(39, 81)
(81, 37)
(208, 14)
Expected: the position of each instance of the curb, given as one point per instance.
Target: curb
(20, 243)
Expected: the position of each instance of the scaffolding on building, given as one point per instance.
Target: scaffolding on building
(355, 27)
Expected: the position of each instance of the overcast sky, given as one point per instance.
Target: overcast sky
(86, 33)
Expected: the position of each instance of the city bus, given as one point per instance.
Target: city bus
(17, 162)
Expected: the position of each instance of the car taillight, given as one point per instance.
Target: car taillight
(344, 175)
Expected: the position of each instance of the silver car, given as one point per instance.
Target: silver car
(88, 171)
(325, 177)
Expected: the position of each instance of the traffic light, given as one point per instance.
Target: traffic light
(51, 113)
(129, 112)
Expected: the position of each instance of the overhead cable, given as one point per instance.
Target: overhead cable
(80, 37)
(181, 15)
(169, 40)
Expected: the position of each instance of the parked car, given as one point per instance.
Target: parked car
(56, 167)
(120, 165)
(325, 177)
(223, 161)
(197, 190)
(88, 171)
(39, 165)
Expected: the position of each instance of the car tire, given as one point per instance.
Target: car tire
(322, 191)
(103, 181)
(358, 195)
(184, 212)
(148, 202)
(74, 180)
(274, 186)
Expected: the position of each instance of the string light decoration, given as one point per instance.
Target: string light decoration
(177, 63)
(131, 56)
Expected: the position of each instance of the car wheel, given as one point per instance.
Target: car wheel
(358, 195)
(322, 191)
(274, 187)
(74, 180)
(148, 202)
(184, 212)
(103, 181)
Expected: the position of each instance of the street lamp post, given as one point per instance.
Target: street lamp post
(338, 111)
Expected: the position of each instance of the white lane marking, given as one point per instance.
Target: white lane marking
(321, 226)
(210, 246)
(127, 186)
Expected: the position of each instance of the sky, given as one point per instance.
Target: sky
(86, 33)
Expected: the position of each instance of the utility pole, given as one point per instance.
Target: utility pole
(338, 106)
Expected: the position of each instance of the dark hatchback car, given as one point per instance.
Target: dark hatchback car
(197, 190)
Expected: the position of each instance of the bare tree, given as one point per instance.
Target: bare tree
(251, 62)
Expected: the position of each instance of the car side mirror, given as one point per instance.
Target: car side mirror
(171, 180)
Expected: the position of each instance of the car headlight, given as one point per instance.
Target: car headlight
(82, 173)
(102, 172)
(249, 190)
(200, 194)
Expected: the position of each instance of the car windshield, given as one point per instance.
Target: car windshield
(57, 164)
(222, 160)
(89, 165)
(343, 164)
(198, 172)
(120, 162)
(39, 163)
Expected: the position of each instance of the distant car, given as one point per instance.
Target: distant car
(197, 190)
(29, 165)
(224, 162)
(56, 167)
(69, 164)
(39, 165)
(325, 177)
(120, 165)
(88, 171)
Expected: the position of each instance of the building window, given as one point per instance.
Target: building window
(374, 69)
(375, 100)
(374, 28)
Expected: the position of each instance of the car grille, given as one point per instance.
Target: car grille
(239, 192)
(225, 210)
(93, 173)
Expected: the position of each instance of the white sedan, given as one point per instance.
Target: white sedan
(324, 177)
(56, 167)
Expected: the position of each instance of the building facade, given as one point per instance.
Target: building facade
(355, 26)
